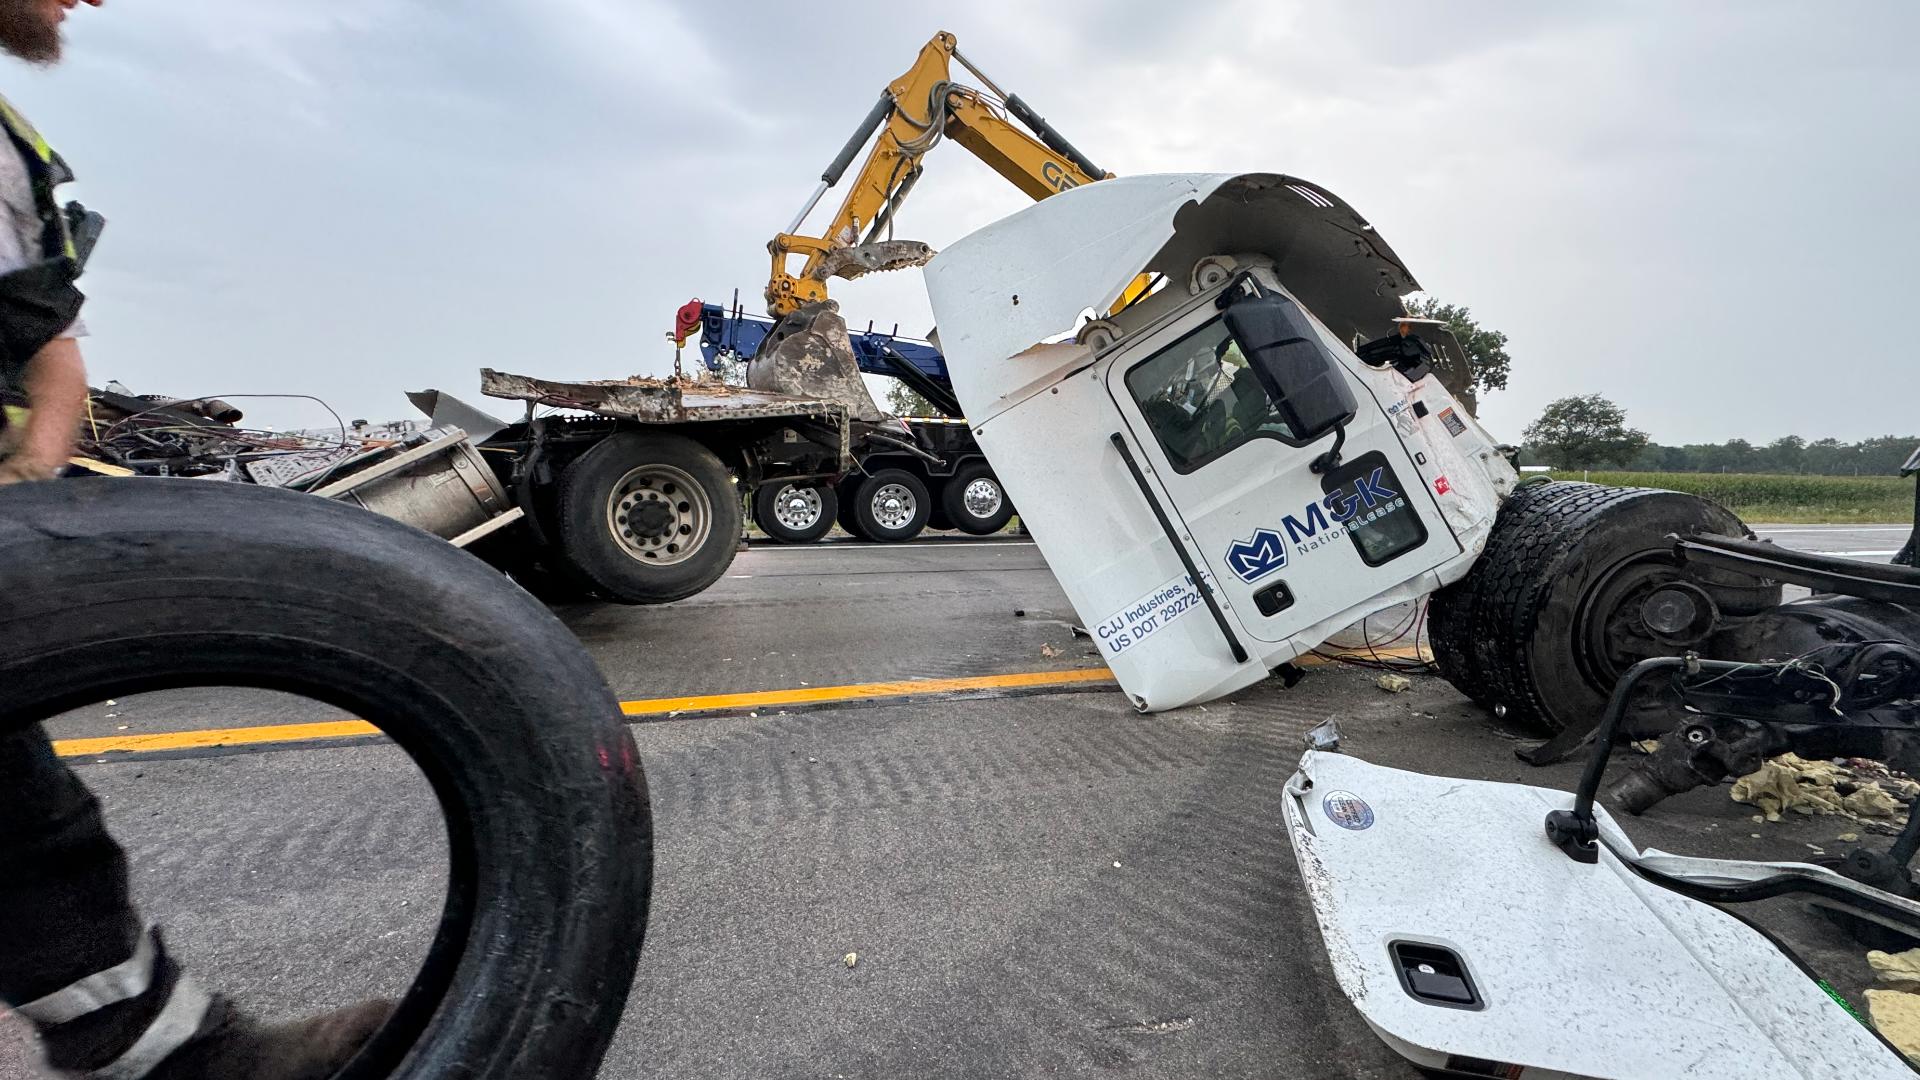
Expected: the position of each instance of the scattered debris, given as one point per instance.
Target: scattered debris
(1646, 746)
(1150, 1027)
(1019, 613)
(1900, 970)
(1048, 651)
(1896, 1016)
(153, 435)
(1393, 684)
(850, 959)
(1864, 790)
(1848, 837)
(1872, 802)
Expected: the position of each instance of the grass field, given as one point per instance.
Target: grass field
(1800, 500)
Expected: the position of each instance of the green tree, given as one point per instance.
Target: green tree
(1482, 369)
(904, 400)
(1581, 432)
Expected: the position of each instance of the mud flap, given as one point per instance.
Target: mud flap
(808, 354)
(1473, 946)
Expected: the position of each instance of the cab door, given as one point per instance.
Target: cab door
(1289, 547)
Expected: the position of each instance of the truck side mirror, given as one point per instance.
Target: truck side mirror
(1307, 383)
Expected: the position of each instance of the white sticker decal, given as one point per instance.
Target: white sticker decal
(1347, 810)
(1146, 616)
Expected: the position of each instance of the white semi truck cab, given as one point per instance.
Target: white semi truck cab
(1216, 477)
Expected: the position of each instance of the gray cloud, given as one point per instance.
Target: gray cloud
(1700, 210)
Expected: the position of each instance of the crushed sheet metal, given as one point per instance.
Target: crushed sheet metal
(659, 400)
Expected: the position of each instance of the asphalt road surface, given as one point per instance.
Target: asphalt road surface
(1036, 880)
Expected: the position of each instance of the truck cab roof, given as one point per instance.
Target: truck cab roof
(1031, 277)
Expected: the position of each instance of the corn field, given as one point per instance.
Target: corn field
(1759, 497)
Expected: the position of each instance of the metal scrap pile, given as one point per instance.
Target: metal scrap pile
(158, 436)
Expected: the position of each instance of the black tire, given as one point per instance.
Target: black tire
(848, 492)
(891, 506)
(937, 515)
(1550, 611)
(117, 587)
(768, 511)
(1450, 611)
(648, 518)
(513, 552)
(975, 517)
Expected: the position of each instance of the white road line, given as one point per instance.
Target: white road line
(1859, 554)
(957, 545)
(1769, 531)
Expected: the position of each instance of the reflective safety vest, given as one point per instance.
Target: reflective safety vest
(39, 301)
(66, 232)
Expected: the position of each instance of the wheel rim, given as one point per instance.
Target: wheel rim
(894, 506)
(981, 498)
(797, 508)
(1615, 612)
(659, 515)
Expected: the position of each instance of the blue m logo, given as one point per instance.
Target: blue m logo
(1258, 556)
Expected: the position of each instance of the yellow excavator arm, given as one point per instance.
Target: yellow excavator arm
(913, 114)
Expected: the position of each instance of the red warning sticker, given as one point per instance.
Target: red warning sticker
(1440, 485)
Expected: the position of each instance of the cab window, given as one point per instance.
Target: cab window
(1202, 399)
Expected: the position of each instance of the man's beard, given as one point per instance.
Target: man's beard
(27, 32)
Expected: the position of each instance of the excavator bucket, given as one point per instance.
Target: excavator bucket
(808, 354)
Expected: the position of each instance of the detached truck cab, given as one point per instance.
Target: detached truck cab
(1216, 477)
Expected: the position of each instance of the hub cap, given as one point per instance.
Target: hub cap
(659, 515)
(894, 506)
(1643, 607)
(797, 508)
(981, 498)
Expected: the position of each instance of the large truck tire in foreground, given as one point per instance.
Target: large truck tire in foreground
(121, 586)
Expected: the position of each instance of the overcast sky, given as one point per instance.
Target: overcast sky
(1701, 210)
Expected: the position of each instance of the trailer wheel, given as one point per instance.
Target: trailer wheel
(974, 500)
(116, 587)
(795, 513)
(648, 518)
(892, 506)
(847, 492)
(937, 515)
(1584, 586)
(1450, 612)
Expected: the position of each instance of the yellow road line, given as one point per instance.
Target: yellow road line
(200, 740)
(806, 695)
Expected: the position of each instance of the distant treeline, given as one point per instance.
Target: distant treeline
(1790, 455)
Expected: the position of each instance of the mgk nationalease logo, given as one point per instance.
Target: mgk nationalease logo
(1255, 558)
(1367, 498)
